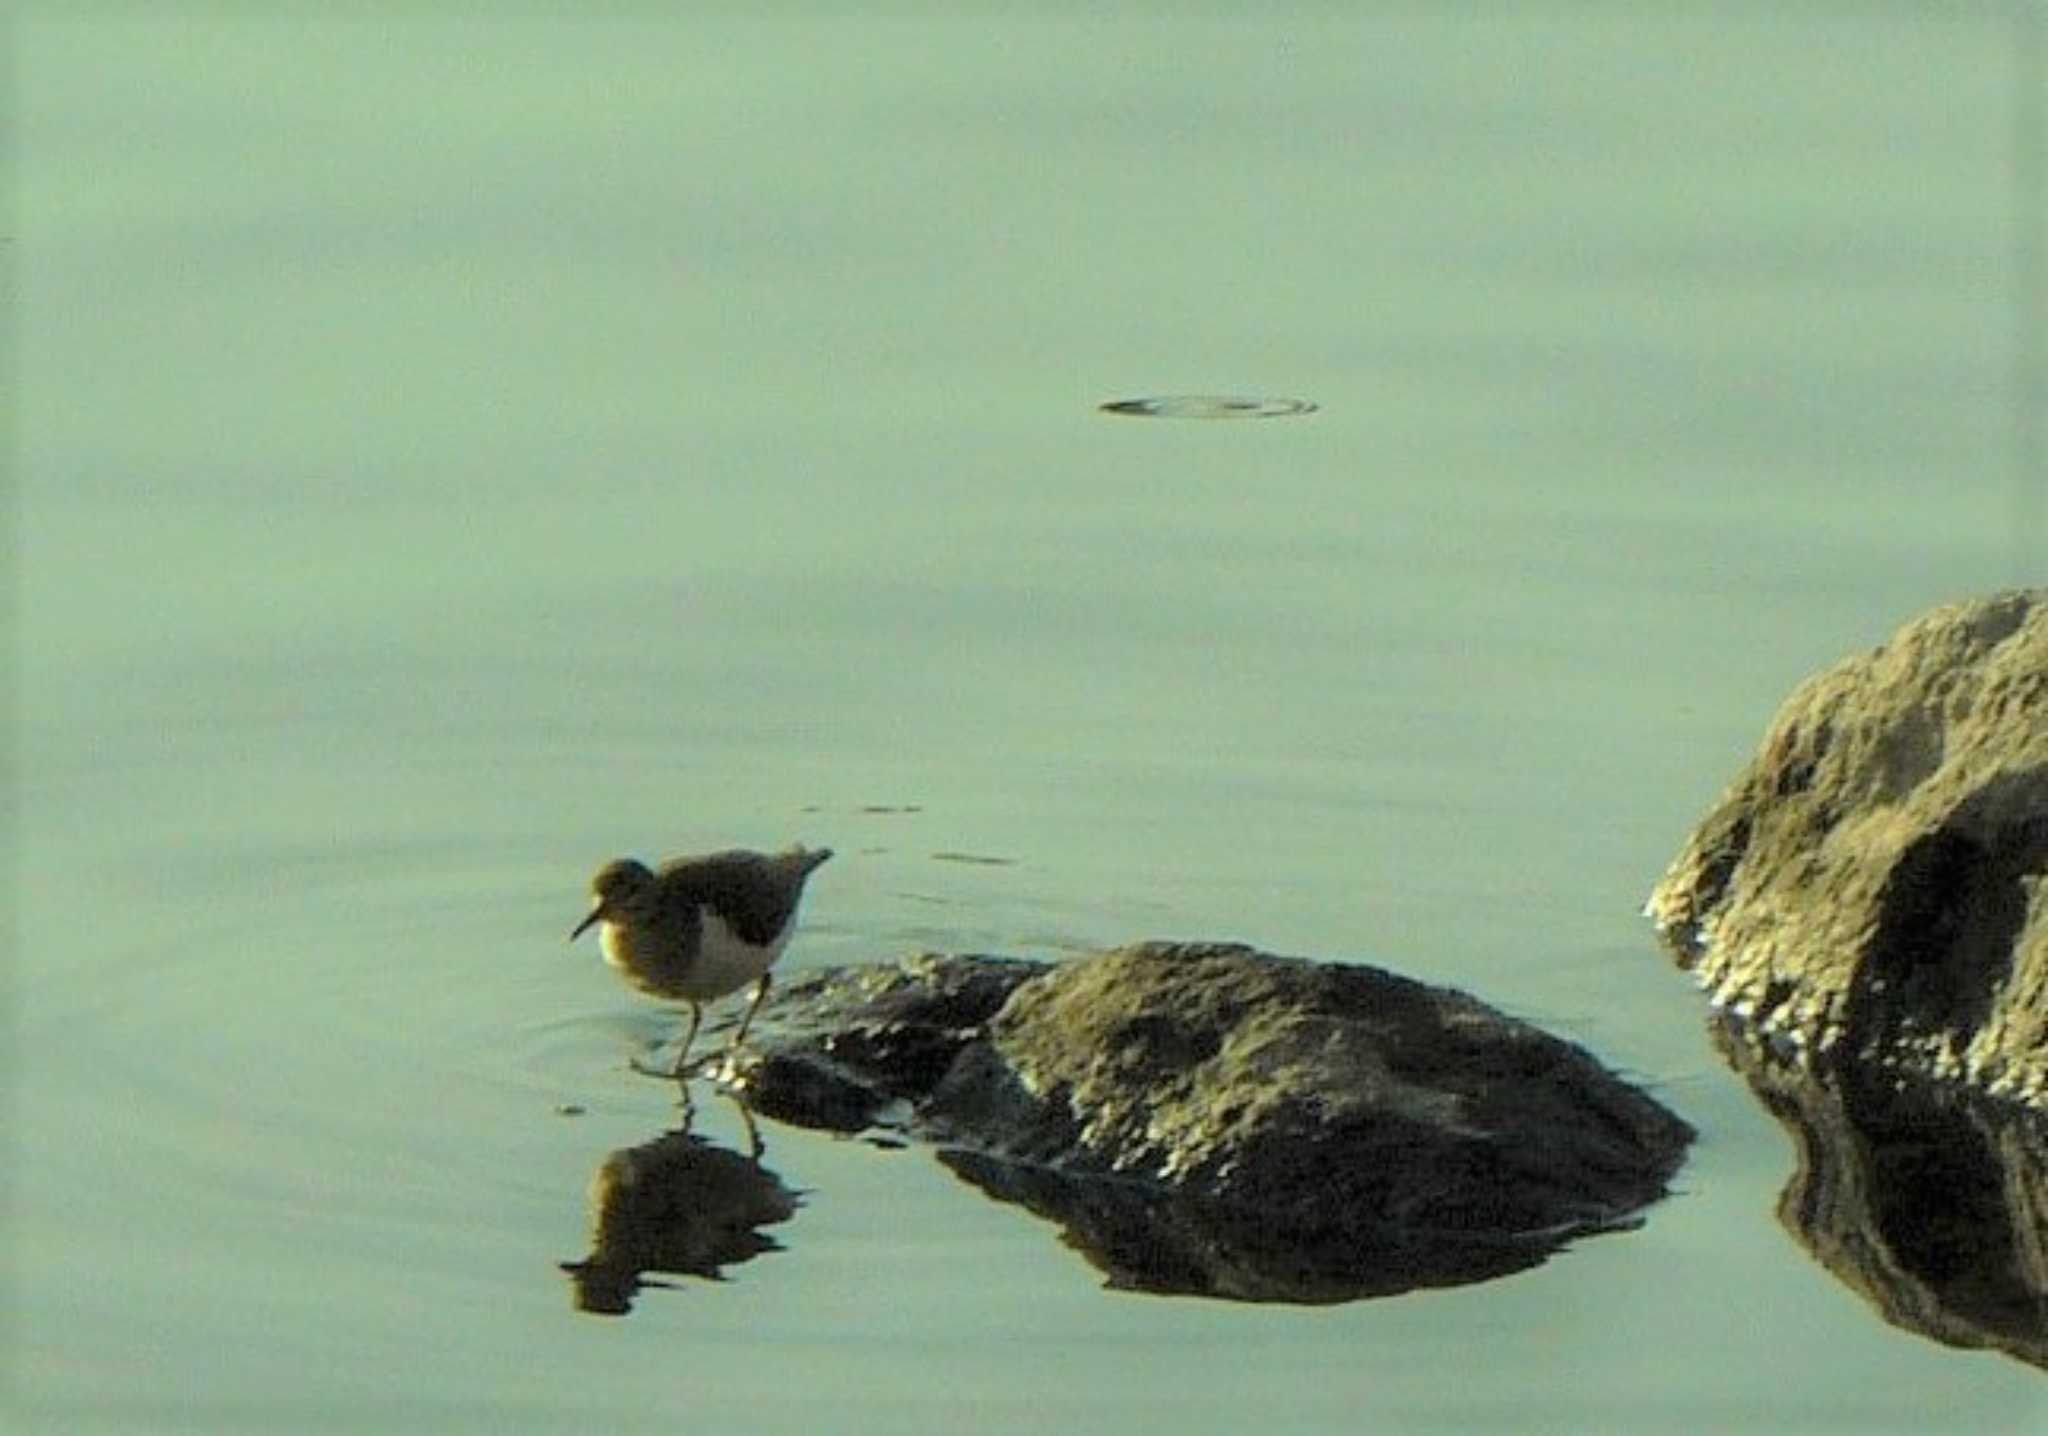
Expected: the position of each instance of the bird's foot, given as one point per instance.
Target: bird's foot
(668, 1073)
(719, 1066)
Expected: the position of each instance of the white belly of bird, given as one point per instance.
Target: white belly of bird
(724, 963)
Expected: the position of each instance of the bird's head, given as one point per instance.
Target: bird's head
(618, 890)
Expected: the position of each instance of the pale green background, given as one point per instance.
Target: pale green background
(453, 452)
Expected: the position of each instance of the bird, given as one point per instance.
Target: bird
(700, 927)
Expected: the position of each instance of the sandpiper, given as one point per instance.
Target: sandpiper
(700, 927)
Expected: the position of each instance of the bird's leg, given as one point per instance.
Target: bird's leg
(680, 1069)
(760, 992)
(683, 1057)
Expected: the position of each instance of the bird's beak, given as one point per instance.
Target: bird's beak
(584, 926)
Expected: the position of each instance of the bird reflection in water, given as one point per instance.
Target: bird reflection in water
(678, 1204)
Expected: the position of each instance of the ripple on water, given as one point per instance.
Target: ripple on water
(1208, 406)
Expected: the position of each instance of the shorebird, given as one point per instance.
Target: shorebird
(700, 927)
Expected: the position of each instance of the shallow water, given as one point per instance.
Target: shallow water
(454, 454)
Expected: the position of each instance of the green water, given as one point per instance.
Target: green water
(453, 453)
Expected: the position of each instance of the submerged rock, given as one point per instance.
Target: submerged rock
(1209, 1118)
(1871, 885)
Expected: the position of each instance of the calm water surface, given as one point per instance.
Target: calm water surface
(455, 454)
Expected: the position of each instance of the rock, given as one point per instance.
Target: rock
(847, 1048)
(1871, 886)
(1208, 1118)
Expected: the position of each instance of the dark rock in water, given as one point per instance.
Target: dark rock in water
(1870, 886)
(1929, 1202)
(849, 1048)
(1207, 1118)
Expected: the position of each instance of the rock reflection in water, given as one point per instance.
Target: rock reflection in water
(1932, 1204)
(1148, 1238)
(679, 1204)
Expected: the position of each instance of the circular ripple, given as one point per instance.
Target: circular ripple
(1208, 406)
